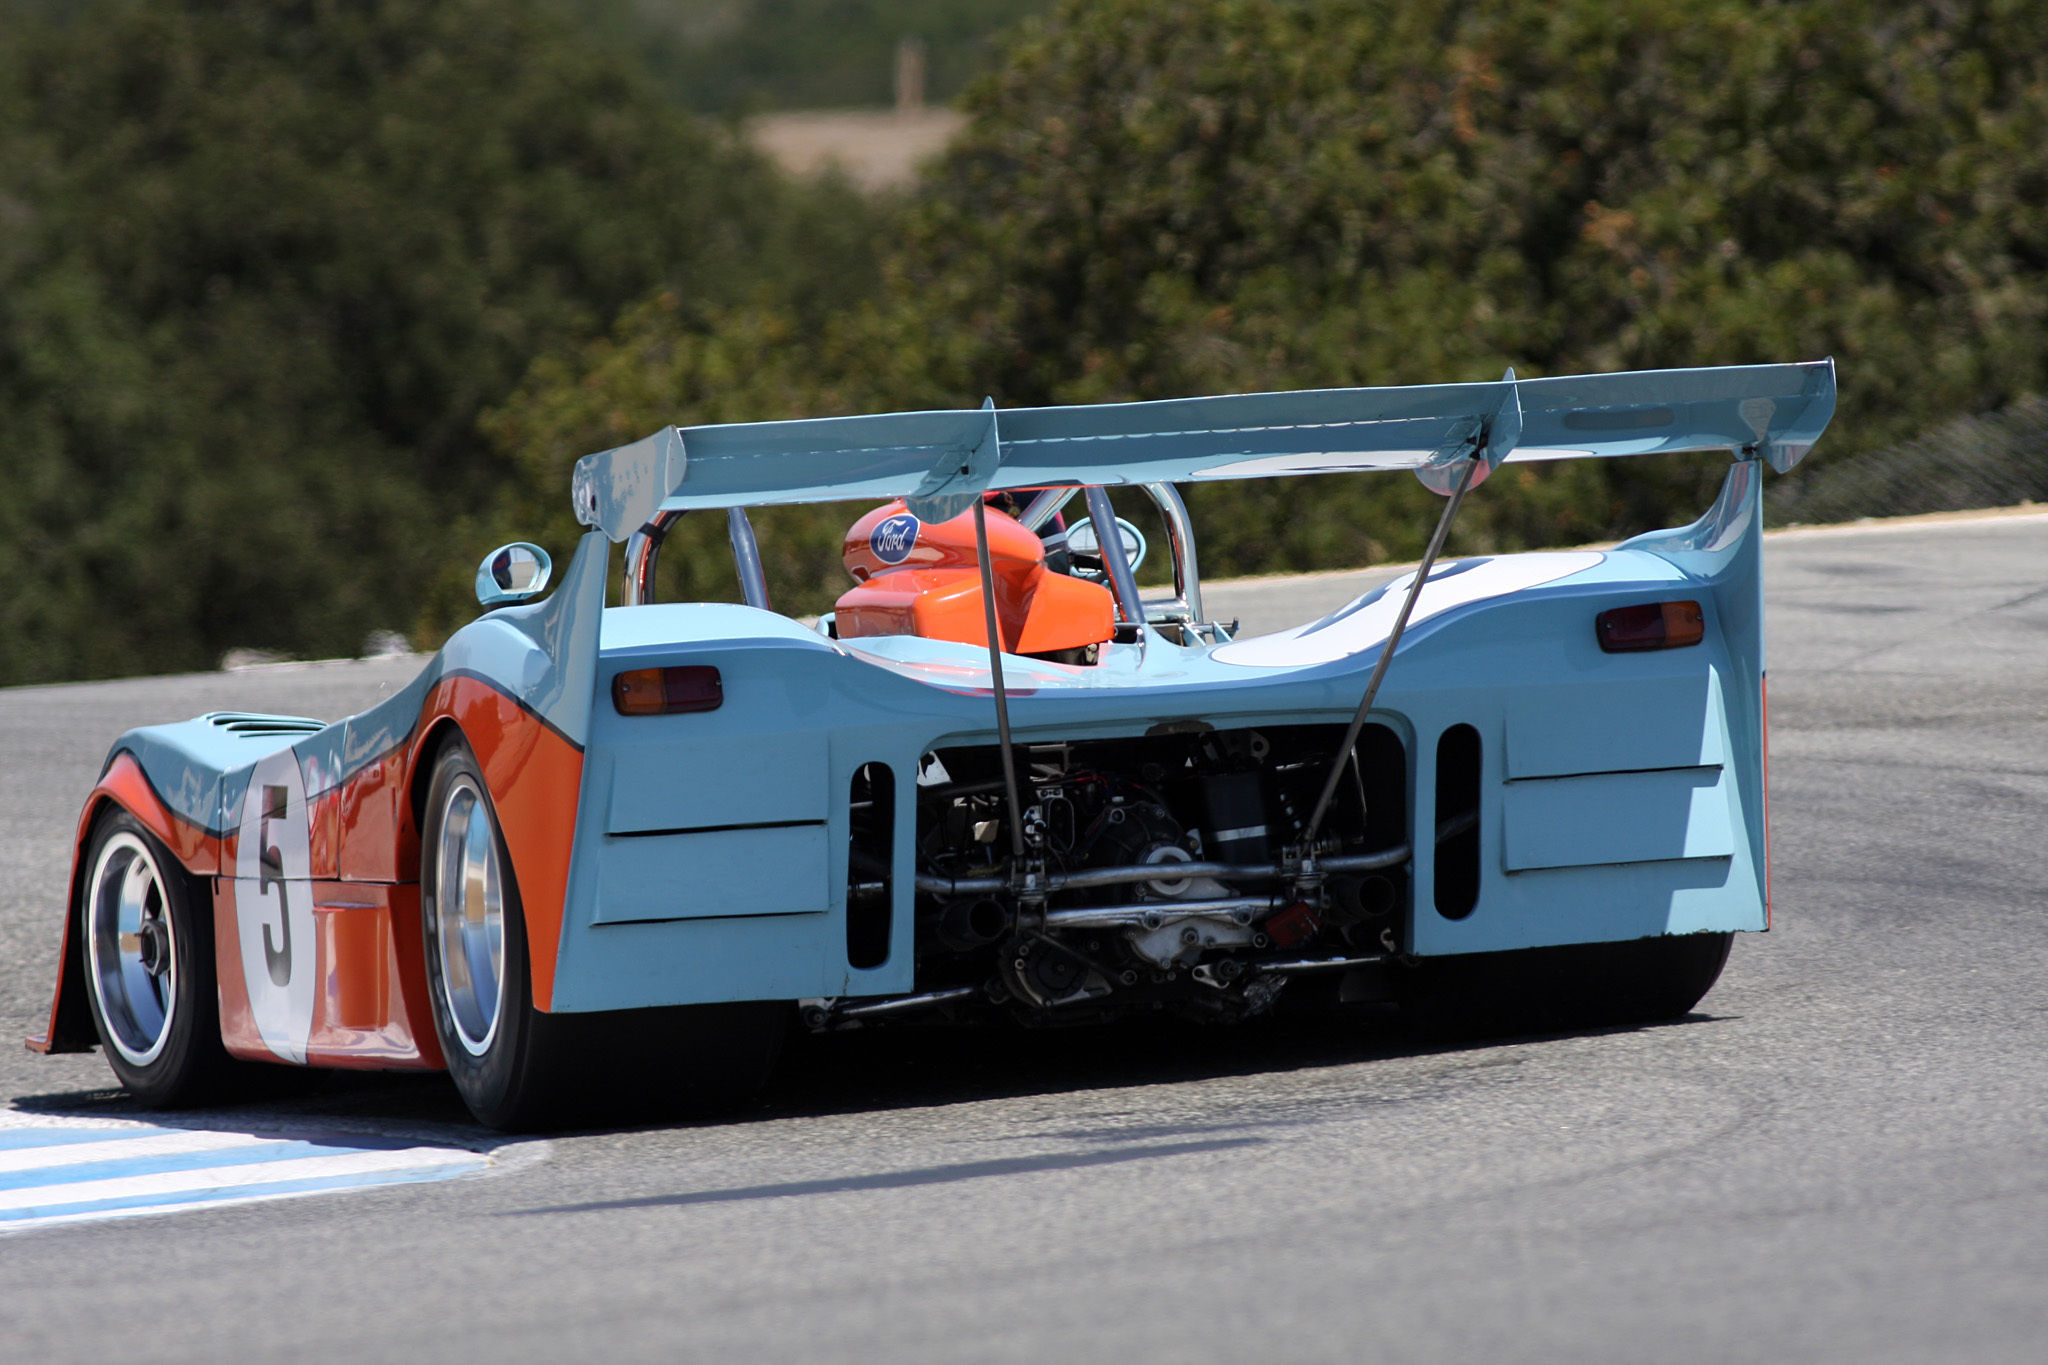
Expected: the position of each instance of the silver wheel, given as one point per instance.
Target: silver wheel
(468, 909)
(132, 949)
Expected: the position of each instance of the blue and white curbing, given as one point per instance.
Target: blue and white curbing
(56, 1170)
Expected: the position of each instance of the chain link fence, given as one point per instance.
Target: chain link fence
(1990, 461)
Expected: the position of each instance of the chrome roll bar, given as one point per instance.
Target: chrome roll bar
(1180, 536)
(643, 550)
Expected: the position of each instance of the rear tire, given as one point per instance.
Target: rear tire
(520, 1069)
(1548, 990)
(145, 930)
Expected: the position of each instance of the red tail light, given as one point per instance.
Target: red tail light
(665, 691)
(1653, 625)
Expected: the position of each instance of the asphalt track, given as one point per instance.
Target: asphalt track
(1843, 1155)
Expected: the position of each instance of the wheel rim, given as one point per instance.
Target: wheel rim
(469, 915)
(132, 941)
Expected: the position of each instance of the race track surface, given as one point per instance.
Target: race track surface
(1841, 1156)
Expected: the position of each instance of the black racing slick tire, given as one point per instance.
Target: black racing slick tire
(145, 929)
(1547, 990)
(522, 1070)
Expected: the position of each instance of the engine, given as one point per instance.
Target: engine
(1164, 872)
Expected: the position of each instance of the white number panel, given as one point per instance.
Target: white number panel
(274, 905)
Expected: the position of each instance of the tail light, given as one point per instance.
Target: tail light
(666, 691)
(1652, 625)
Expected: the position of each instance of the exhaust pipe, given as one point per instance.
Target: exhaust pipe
(968, 924)
(1362, 898)
(1149, 872)
(1239, 910)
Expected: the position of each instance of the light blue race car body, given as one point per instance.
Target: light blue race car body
(586, 809)
(1621, 795)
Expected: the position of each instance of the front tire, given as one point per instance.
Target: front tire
(146, 933)
(520, 1069)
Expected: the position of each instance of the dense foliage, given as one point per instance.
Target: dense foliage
(1218, 195)
(305, 303)
(263, 263)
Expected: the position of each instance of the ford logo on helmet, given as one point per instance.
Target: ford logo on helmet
(892, 540)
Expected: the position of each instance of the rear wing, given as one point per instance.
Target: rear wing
(941, 461)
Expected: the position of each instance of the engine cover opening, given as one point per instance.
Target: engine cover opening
(1102, 814)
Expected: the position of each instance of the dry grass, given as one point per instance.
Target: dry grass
(876, 148)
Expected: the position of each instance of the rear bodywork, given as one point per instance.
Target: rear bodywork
(777, 847)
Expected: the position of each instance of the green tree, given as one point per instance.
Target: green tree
(1154, 200)
(1246, 193)
(263, 263)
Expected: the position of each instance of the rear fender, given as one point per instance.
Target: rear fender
(520, 684)
(1725, 547)
(534, 774)
(1619, 796)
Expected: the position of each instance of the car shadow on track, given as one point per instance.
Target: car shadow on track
(911, 1067)
(865, 1070)
(419, 1106)
(952, 1173)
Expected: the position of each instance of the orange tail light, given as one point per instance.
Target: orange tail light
(666, 691)
(1652, 625)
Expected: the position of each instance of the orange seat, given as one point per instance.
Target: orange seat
(922, 578)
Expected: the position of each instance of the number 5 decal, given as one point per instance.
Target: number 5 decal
(276, 802)
(274, 906)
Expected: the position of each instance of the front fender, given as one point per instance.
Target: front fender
(122, 785)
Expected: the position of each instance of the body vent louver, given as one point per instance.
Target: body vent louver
(254, 726)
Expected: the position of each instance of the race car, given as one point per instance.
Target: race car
(596, 857)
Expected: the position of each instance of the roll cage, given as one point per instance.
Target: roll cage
(1180, 614)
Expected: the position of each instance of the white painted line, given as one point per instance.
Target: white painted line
(101, 1215)
(133, 1211)
(1989, 517)
(237, 1176)
(1987, 520)
(120, 1149)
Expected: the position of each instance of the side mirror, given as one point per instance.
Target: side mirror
(513, 573)
(1082, 544)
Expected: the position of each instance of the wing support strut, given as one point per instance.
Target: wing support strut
(1489, 446)
(1492, 443)
(995, 669)
(995, 642)
(1379, 669)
